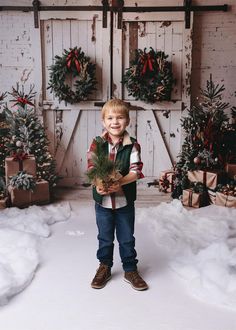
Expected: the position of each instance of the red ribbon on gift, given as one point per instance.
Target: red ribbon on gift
(147, 61)
(190, 198)
(72, 57)
(165, 183)
(20, 157)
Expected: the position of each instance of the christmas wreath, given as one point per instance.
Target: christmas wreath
(149, 78)
(72, 64)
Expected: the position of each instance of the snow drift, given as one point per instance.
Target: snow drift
(20, 231)
(200, 245)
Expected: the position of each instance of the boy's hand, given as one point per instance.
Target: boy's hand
(115, 187)
(102, 191)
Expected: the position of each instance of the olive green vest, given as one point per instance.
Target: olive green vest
(123, 159)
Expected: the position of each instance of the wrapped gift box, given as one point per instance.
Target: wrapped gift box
(212, 196)
(3, 203)
(24, 198)
(12, 167)
(208, 178)
(230, 169)
(225, 200)
(193, 199)
(166, 181)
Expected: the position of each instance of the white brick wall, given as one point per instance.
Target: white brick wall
(16, 60)
(214, 51)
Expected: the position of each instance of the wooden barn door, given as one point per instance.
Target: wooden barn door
(71, 127)
(156, 126)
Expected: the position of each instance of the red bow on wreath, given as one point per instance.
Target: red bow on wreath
(73, 57)
(147, 61)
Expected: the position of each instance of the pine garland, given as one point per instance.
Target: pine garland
(23, 181)
(72, 64)
(227, 189)
(149, 78)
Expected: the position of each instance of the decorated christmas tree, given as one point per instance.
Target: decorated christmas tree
(27, 135)
(209, 138)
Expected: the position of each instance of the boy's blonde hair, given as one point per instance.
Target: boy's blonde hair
(117, 106)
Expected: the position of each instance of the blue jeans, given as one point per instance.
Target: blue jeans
(122, 221)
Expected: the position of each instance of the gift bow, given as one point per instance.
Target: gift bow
(165, 183)
(147, 61)
(20, 156)
(73, 57)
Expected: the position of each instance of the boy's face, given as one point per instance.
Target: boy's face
(115, 123)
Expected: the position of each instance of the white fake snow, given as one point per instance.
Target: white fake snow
(173, 243)
(200, 246)
(19, 233)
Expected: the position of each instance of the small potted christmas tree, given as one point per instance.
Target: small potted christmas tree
(104, 172)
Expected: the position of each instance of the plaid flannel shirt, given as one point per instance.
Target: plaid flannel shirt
(118, 200)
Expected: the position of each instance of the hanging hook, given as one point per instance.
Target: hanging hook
(105, 8)
(36, 5)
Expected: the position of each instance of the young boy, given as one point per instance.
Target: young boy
(115, 208)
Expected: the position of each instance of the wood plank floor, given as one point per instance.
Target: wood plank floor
(146, 196)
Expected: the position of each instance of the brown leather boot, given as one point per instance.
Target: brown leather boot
(103, 275)
(135, 280)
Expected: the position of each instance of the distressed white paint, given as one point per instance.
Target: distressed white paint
(72, 126)
(16, 50)
(60, 34)
(214, 43)
(159, 135)
(169, 39)
(214, 51)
